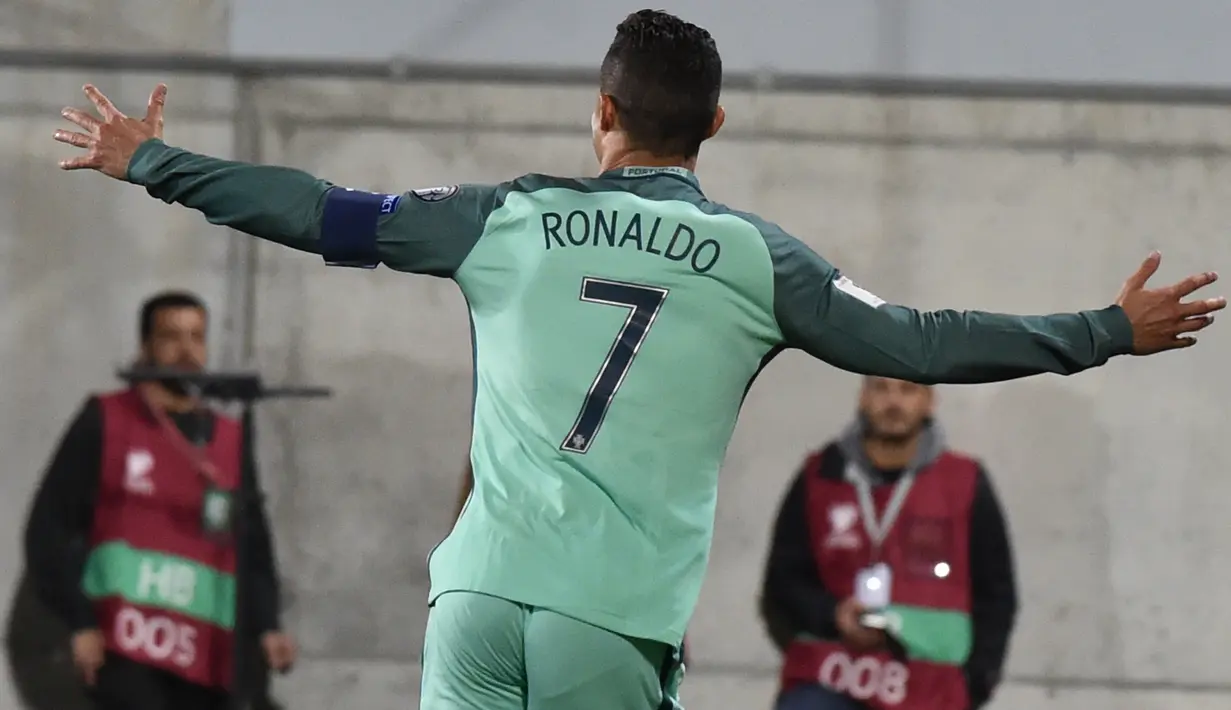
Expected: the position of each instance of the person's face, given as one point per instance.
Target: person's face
(894, 410)
(177, 339)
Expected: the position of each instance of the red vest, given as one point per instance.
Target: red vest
(928, 551)
(164, 589)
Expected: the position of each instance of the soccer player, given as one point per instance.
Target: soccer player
(618, 322)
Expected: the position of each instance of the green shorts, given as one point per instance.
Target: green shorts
(486, 653)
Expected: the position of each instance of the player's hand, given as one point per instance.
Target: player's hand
(89, 652)
(111, 140)
(1161, 319)
(280, 650)
(855, 635)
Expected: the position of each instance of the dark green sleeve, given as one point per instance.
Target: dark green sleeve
(432, 231)
(282, 205)
(423, 231)
(825, 314)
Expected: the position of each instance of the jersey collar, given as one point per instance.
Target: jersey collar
(676, 172)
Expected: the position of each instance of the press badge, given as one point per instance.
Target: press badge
(873, 586)
(216, 510)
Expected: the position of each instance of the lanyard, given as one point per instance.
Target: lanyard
(878, 528)
(195, 454)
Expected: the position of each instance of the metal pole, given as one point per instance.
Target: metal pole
(896, 191)
(404, 72)
(248, 148)
(242, 286)
(241, 644)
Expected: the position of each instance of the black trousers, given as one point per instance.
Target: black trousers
(125, 685)
(41, 668)
(40, 663)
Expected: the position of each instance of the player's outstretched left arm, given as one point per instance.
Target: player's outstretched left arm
(827, 315)
(283, 205)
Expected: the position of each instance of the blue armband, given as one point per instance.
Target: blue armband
(348, 226)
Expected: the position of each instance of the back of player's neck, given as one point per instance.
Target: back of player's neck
(644, 159)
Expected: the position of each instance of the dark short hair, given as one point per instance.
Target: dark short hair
(162, 301)
(664, 76)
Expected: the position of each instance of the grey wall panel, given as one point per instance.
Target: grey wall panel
(1052, 40)
(1110, 478)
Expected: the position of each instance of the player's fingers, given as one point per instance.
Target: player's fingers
(80, 140)
(1186, 286)
(106, 109)
(1192, 325)
(81, 118)
(85, 162)
(158, 100)
(1202, 306)
(1175, 342)
(1138, 280)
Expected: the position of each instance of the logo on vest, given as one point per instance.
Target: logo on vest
(137, 468)
(168, 583)
(865, 678)
(216, 511)
(842, 519)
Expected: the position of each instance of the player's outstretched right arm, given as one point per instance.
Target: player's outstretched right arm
(827, 315)
(429, 232)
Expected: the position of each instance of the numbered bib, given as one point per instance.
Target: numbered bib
(156, 637)
(866, 678)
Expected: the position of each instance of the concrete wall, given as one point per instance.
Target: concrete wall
(1057, 40)
(1114, 479)
(78, 252)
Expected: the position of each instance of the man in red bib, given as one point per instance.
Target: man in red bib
(890, 582)
(129, 538)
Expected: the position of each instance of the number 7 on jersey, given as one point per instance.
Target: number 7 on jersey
(643, 303)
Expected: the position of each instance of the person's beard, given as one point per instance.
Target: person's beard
(893, 438)
(176, 386)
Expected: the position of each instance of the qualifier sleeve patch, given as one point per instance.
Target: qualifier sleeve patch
(436, 194)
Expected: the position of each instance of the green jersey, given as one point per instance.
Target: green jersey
(618, 322)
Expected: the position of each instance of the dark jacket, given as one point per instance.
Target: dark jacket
(794, 601)
(40, 661)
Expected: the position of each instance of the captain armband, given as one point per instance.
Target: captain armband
(349, 224)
